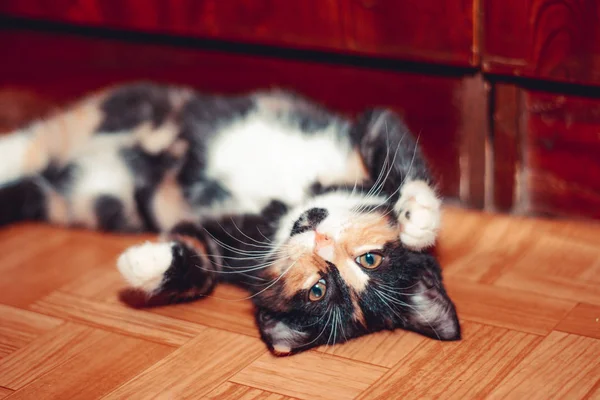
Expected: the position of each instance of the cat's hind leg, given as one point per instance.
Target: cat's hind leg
(179, 268)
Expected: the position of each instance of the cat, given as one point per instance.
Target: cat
(327, 221)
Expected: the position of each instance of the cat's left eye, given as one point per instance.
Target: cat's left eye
(317, 292)
(369, 260)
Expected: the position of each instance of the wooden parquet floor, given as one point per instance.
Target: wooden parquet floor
(527, 292)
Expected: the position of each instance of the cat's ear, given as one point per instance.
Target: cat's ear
(279, 336)
(432, 313)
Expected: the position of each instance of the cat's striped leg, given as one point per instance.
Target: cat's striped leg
(182, 267)
(398, 169)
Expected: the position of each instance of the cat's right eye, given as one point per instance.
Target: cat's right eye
(317, 292)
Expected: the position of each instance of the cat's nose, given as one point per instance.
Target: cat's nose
(322, 240)
(324, 246)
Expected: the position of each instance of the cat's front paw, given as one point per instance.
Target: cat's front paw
(144, 266)
(419, 214)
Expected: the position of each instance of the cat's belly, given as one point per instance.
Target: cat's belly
(258, 161)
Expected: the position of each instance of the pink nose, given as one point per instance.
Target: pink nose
(322, 240)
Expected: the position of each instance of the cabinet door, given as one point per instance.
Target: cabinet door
(557, 40)
(547, 153)
(425, 30)
(429, 30)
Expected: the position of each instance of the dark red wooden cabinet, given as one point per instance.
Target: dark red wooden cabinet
(426, 30)
(549, 39)
(492, 88)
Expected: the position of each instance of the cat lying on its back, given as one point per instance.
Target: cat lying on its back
(324, 220)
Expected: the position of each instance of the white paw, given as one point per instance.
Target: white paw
(144, 266)
(419, 214)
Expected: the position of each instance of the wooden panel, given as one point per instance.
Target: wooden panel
(506, 147)
(547, 153)
(433, 106)
(562, 150)
(558, 40)
(341, 378)
(421, 30)
(570, 361)
(418, 30)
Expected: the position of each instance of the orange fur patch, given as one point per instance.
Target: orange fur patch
(57, 208)
(155, 140)
(169, 205)
(62, 136)
(367, 229)
(295, 279)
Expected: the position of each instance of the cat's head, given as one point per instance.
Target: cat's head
(340, 271)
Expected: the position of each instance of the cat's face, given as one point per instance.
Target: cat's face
(339, 271)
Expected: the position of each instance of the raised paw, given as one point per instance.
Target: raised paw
(144, 266)
(418, 212)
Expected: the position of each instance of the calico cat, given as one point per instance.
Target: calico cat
(325, 221)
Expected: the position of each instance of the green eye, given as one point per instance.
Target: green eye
(317, 292)
(369, 260)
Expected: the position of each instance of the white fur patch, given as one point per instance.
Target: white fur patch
(284, 338)
(102, 171)
(13, 149)
(260, 158)
(433, 313)
(143, 266)
(420, 226)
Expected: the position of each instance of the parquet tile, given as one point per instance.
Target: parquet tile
(513, 309)
(558, 287)
(118, 318)
(19, 327)
(583, 320)
(382, 348)
(233, 391)
(527, 292)
(467, 369)
(310, 375)
(225, 309)
(110, 361)
(195, 369)
(563, 366)
(46, 353)
(5, 392)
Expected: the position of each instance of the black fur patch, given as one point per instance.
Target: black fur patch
(22, 200)
(187, 274)
(149, 170)
(382, 136)
(309, 220)
(110, 213)
(206, 193)
(60, 177)
(129, 106)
